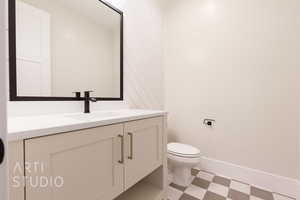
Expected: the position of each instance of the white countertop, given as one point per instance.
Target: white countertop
(20, 128)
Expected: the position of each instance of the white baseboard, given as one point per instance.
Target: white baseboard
(268, 181)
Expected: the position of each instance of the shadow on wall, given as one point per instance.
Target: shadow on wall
(172, 136)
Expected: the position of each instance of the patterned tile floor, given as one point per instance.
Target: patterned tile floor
(207, 186)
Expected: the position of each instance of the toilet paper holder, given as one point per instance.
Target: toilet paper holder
(209, 122)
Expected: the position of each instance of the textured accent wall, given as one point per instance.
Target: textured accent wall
(142, 52)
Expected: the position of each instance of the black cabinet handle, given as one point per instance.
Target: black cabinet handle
(2, 151)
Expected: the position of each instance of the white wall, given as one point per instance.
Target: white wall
(235, 61)
(142, 64)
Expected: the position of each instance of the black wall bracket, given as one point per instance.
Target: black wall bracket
(2, 151)
(209, 122)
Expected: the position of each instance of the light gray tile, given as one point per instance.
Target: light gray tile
(219, 189)
(241, 187)
(206, 175)
(174, 194)
(195, 191)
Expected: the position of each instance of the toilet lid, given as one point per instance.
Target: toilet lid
(183, 150)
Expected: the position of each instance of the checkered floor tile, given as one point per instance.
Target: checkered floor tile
(208, 186)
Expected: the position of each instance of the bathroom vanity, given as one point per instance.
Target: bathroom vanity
(103, 155)
(59, 50)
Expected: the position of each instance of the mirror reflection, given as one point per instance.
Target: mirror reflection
(65, 46)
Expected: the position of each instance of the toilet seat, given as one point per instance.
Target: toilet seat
(183, 155)
(183, 150)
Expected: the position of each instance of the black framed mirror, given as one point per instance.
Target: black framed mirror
(60, 47)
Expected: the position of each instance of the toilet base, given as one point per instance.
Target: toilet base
(182, 176)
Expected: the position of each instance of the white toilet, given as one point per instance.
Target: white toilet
(182, 158)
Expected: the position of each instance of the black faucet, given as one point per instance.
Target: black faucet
(87, 100)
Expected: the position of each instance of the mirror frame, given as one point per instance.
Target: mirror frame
(13, 61)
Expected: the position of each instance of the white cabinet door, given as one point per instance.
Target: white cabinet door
(3, 99)
(16, 170)
(143, 149)
(88, 162)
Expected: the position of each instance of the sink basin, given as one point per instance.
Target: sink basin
(93, 116)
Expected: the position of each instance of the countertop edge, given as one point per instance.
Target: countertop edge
(29, 134)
